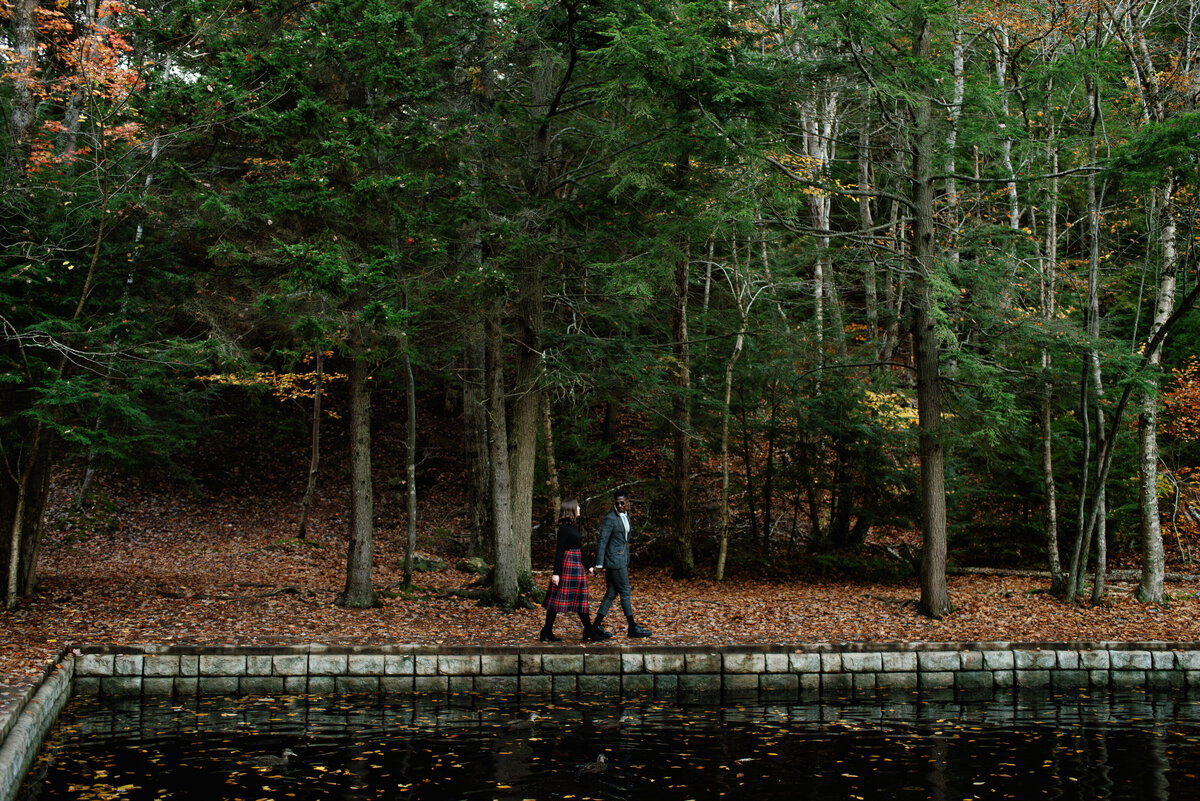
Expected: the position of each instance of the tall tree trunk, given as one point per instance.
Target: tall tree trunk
(525, 420)
(551, 463)
(935, 597)
(475, 437)
(736, 285)
(684, 563)
(410, 469)
(360, 558)
(1048, 288)
(25, 90)
(315, 461)
(508, 551)
(1151, 589)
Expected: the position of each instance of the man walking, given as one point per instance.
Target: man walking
(612, 554)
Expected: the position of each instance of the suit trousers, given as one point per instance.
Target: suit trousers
(616, 580)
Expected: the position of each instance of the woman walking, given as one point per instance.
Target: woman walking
(568, 591)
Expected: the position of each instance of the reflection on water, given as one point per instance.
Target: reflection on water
(1111, 746)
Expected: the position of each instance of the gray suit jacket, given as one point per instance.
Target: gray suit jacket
(612, 551)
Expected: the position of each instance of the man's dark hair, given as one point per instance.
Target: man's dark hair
(619, 494)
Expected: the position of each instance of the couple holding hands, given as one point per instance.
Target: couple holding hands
(568, 590)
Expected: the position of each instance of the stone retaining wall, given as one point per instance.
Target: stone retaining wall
(777, 674)
(767, 673)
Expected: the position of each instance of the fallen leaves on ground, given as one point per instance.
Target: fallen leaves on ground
(229, 572)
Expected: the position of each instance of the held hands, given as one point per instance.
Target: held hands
(554, 580)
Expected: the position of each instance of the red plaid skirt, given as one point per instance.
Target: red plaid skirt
(571, 594)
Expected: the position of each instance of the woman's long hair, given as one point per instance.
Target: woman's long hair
(568, 511)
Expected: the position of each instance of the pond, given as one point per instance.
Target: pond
(1127, 744)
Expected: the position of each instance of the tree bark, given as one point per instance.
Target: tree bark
(508, 554)
(410, 469)
(315, 461)
(360, 557)
(551, 462)
(684, 563)
(475, 437)
(935, 597)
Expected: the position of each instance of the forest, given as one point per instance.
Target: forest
(833, 268)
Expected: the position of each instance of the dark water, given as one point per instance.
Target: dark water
(1122, 746)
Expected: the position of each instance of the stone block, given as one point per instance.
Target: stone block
(864, 683)
(1163, 660)
(328, 664)
(127, 665)
(259, 665)
(665, 663)
(1191, 678)
(530, 663)
(260, 685)
(497, 685)
(1069, 679)
(779, 687)
(602, 664)
(426, 664)
(700, 688)
(810, 686)
(896, 681)
(218, 685)
(1164, 679)
(601, 684)
(499, 665)
(562, 663)
(396, 685)
(222, 665)
(1188, 660)
(1004, 678)
(295, 684)
(161, 665)
(804, 663)
(974, 680)
(399, 664)
(458, 664)
(158, 685)
(633, 663)
(94, 665)
(189, 665)
(837, 684)
(357, 685)
(365, 665)
(666, 684)
(936, 679)
(739, 686)
(637, 684)
(187, 686)
(289, 665)
(1094, 660)
(999, 660)
(703, 663)
(536, 684)
(1030, 679)
(744, 663)
(898, 662)
(1035, 660)
(938, 661)
(862, 662)
(1067, 660)
(431, 685)
(461, 685)
(565, 684)
(831, 663)
(778, 663)
(87, 685)
(322, 685)
(1130, 660)
(970, 660)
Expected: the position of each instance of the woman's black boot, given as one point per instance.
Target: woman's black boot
(547, 633)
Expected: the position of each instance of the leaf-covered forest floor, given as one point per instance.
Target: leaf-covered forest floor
(217, 562)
